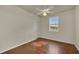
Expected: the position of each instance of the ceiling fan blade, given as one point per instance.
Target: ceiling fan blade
(39, 13)
(50, 12)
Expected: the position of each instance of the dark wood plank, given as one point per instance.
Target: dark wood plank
(44, 46)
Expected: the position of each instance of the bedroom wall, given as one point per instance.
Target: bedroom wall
(66, 29)
(16, 27)
(77, 26)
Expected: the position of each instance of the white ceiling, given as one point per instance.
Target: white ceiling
(57, 8)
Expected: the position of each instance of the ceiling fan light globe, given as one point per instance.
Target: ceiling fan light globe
(44, 14)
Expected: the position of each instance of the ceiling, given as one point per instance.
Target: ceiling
(57, 8)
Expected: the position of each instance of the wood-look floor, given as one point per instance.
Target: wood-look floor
(44, 46)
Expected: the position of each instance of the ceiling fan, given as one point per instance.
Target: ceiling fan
(45, 12)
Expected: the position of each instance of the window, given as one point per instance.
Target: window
(54, 24)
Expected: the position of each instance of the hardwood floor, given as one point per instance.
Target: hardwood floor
(44, 46)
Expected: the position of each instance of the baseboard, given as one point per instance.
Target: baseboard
(77, 47)
(18, 45)
(57, 40)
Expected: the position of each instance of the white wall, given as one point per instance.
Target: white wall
(16, 27)
(77, 26)
(66, 33)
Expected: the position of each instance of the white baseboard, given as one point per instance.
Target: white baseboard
(18, 45)
(57, 40)
(77, 47)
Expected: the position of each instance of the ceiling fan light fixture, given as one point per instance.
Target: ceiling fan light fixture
(44, 14)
